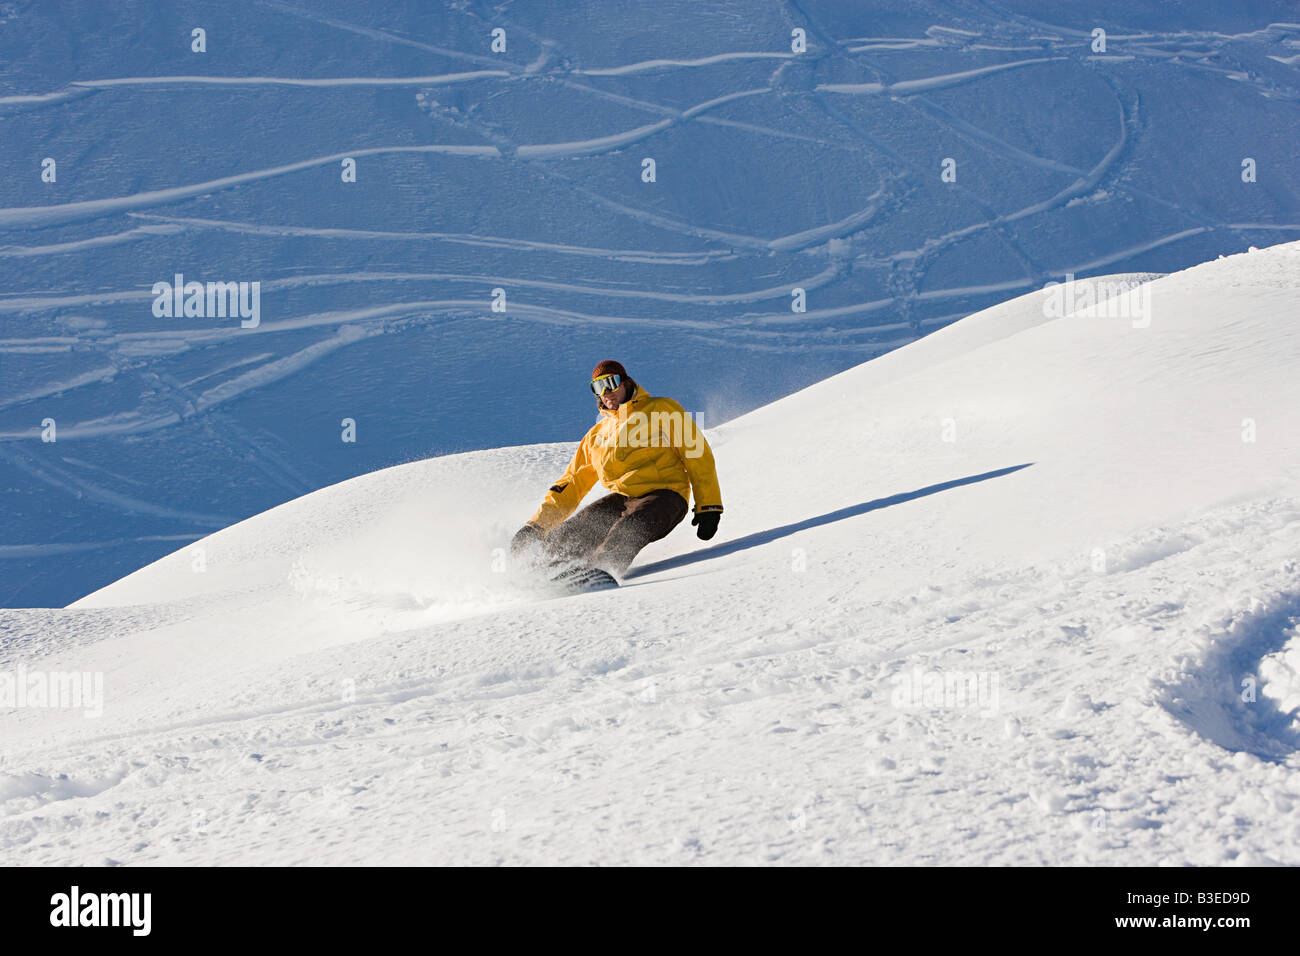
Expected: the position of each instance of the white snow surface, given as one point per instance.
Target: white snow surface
(1022, 592)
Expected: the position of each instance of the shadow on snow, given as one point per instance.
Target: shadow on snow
(772, 534)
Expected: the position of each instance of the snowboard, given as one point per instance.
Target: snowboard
(576, 580)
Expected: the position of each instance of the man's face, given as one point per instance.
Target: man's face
(614, 397)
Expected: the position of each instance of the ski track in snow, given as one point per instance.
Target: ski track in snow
(45, 303)
(928, 84)
(522, 245)
(40, 216)
(58, 477)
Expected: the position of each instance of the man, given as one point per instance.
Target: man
(649, 453)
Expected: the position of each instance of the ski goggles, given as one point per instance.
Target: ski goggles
(606, 383)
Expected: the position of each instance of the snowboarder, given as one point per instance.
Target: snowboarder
(650, 454)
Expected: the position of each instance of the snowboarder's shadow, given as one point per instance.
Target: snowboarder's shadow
(763, 537)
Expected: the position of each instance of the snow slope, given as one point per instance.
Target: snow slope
(990, 598)
(522, 171)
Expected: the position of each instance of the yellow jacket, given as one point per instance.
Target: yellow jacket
(647, 443)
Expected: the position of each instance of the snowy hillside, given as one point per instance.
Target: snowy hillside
(1024, 591)
(917, 161)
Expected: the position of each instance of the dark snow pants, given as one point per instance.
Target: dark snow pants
(610, 531)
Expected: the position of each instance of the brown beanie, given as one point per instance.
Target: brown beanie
(608, 367)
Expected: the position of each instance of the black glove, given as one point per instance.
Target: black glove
(526, 539)
(708, 522)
